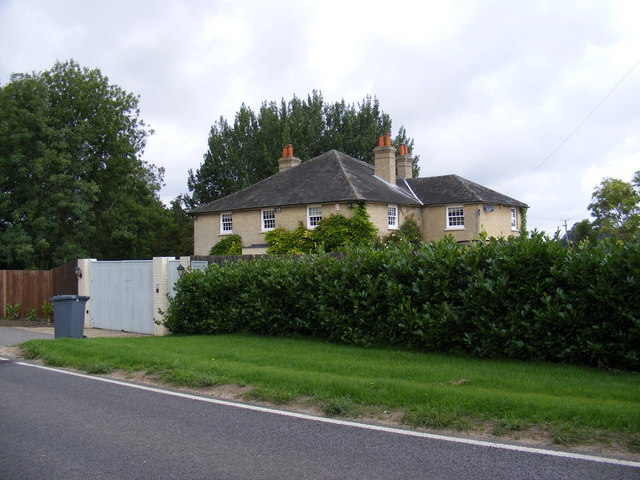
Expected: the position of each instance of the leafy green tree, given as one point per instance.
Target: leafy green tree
(615, 206)
(72, 177)
(246, 152)
(173, 233)
(583, 230)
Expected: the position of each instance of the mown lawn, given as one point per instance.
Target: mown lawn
(572, 404)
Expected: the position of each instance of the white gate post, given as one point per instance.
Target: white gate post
(84, 286)
(160, 292)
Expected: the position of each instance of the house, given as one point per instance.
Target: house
(335, 182)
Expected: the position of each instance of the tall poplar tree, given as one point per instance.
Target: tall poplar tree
(246, 151)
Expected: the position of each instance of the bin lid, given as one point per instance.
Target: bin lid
(77, 298)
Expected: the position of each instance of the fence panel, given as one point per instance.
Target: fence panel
(30, 288)
(64, 281)
(33, 288)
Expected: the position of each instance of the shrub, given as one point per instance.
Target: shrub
(12, 312)
(409, 233)
(522, 298)
(296, 242)
(47, 309)
(332, 234)
(231, 245)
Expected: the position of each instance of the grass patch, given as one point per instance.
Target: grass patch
(276, 396)
(507, 426)
(433, 391)
(341, 406)
(568, 435)
(438, 417)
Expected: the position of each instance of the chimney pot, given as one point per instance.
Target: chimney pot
(381, 141)
(387, 139)
(404, 163)
(288, 161)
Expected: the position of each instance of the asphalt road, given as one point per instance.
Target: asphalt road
(60, 426)
(13, 336)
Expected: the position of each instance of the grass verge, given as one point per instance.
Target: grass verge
(574, 405)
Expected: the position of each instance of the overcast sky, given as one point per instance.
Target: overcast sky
(488, 89)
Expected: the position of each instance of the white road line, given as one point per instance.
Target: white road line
(333, 421)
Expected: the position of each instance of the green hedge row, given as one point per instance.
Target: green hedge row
(522, 298)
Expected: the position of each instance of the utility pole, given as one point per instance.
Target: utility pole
(566, 232)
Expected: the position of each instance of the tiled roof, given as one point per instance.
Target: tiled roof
(328, 178)
(337, 177)
(448, 189)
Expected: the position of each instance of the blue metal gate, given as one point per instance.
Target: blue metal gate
(122, 295)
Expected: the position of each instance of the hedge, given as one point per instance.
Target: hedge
(521, 298)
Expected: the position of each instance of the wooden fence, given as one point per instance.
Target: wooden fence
(32, 288)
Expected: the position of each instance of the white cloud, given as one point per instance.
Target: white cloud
(488, 89)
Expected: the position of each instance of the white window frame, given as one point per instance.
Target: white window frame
(267, 215)
(226, 218)
(312, 221)
(392, 217)
(457, 218)
(514, 219)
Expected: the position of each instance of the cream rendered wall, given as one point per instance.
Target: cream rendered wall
(431, 220)
(247, 223)
(378, 213)
(498, 222)
(476, 220)
(205, 232)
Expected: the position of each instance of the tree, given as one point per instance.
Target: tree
(246, 152)
(581, 231)
(615, 206)
(72, 177)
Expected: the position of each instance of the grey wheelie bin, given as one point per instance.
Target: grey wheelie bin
(68, 315)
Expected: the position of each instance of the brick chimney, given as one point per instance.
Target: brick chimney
(404, 163)
(385, 159)
(288, 161)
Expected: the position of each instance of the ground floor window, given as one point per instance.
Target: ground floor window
(268, 220)
(226, 223)
(392, 217)
(314, 216)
